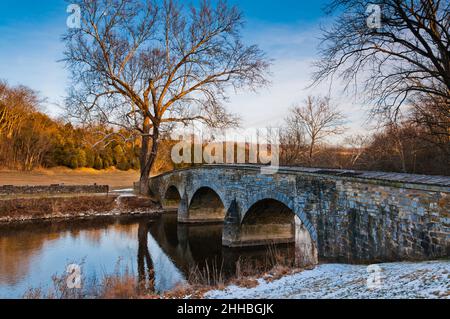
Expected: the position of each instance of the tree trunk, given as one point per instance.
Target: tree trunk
(311, 153)
(148, 155)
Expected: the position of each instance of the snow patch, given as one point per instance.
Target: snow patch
(343, 281)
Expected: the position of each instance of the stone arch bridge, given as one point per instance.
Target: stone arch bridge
(338, 215)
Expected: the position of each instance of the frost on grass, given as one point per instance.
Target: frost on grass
(339, 281)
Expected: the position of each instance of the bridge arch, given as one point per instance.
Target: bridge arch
(171, 198)
(206, 205)
(285, 200)
(206, 184)
(274, 221)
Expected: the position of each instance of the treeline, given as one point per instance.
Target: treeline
(402, 150)
(417, 142)
(30, 138)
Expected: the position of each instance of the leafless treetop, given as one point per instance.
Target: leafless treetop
(133, 60)
(409, 55)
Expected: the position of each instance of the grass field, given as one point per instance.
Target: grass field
(114, 178)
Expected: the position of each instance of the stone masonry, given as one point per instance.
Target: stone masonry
(350, 216)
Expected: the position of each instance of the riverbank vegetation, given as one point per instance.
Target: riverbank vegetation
(42, 207)
(327, 281)
(124, 283)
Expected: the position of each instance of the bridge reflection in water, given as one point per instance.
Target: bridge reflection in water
(161, 253)
(196, 249)
(267, 222)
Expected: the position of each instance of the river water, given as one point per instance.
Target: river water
(30, 254)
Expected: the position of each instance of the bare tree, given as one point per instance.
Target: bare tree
(146, 64)
(358, 144)
(33, 141)
(407, 57)
(319, 120)
(292, 141)
(16, 103)
(433, 117)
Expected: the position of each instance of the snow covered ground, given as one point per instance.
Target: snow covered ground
(342, 281)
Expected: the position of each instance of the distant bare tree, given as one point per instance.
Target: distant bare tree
(292, 141)
(433, 116)
(16, 103)
(358, 144)
(33, 141)
(318, 119)
(406, 58)
(146, 64)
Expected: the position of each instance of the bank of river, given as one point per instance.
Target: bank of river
(343, 281)
(19, 208)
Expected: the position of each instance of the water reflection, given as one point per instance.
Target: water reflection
(156, 271)
(31, 253)
(161, 252)
(200, 246)
(146, 273)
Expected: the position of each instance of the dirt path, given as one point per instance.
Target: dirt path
(114, 178)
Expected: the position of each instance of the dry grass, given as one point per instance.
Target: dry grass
(53, 206)
(21, 209)
(124, 284)
(114, 178)
(279, 272)
(245, 282)
(201, 280)
(138, 203)
(188, 291)
(211, 274)
(118, 285)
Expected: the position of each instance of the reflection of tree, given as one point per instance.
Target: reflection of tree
(146, 275)
(16, 256)
(22, 244)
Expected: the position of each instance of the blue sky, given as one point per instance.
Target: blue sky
(287, 30)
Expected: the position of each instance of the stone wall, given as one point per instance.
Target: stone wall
(359, 221)
(53, 189)
(350, 216)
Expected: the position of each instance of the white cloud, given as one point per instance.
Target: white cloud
(293, 50)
